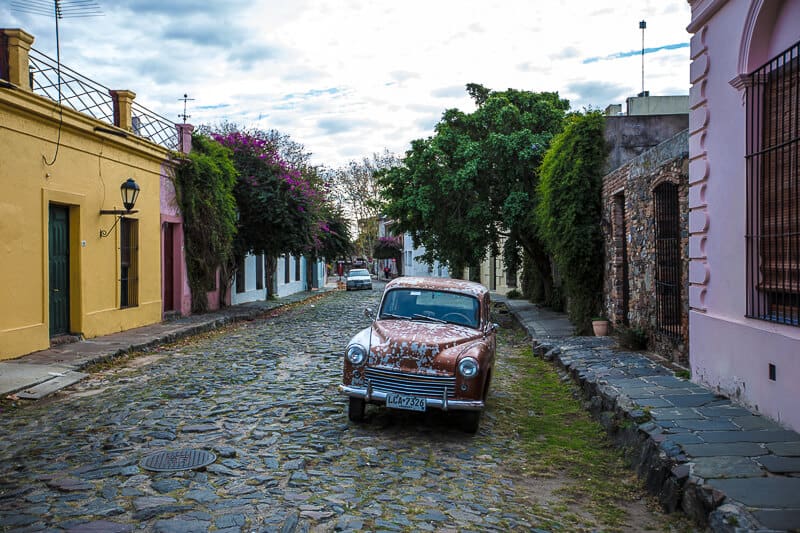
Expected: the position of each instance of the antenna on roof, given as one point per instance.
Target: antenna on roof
(185, 99)
(59, 9)
(642, 26)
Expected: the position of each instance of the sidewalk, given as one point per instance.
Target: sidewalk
(723, 465)
(38, 374)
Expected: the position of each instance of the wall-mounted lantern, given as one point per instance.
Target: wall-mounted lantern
(130, 192)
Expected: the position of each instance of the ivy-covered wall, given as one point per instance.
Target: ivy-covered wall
(629, 231)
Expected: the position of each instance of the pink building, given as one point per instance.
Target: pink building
(175, 294)
(744, 202)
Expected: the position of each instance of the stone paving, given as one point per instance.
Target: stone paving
(723, 465)
(720, 463)
(263, 397)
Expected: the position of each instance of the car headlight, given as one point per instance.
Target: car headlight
(468, 367)
(356, 354)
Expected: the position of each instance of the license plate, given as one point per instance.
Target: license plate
(401, 401)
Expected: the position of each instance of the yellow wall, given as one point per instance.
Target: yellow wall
(87, 173)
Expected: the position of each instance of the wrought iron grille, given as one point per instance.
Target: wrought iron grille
(773, 190)
(91, 98)
(129, 262)
(409, 383)
(668, 259)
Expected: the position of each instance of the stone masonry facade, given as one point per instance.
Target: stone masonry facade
(630, 294)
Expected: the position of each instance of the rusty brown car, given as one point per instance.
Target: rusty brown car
(431, 345)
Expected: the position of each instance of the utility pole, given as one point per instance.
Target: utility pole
(642, 26)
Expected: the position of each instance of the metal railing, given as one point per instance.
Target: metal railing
(91, 98)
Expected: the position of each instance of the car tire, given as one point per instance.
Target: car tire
(471, 421)
(355, 410)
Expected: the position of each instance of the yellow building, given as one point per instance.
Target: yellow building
(60, 169)
(493, 273)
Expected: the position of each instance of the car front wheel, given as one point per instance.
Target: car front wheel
(355, 410)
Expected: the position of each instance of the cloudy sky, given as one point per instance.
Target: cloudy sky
(348, 78)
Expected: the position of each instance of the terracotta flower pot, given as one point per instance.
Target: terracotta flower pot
(600, 328)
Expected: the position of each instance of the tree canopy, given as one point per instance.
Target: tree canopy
(355, 187)
(460, 191)
(281, 209)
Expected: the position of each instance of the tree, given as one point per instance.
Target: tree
(273, 199)
(290, 151)
(335, 239)
(281, 209)
(570, 209)
(474, 181)
(355, 187)
(204, 184)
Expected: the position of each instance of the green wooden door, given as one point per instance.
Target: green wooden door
(59, 270)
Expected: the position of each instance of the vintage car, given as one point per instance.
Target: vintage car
(431, 344)
(358, 278)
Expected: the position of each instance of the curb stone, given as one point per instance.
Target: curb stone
(660, 463)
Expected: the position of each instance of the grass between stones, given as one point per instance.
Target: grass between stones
(586, 481)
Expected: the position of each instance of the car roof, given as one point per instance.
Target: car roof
(439, 284)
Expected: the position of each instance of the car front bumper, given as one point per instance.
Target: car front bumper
(444, 403)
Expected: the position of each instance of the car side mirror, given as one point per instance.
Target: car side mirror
(369, 313)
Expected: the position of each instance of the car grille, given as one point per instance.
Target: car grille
(408, 383)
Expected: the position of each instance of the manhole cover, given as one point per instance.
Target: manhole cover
(177, 460)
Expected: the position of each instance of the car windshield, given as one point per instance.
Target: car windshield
(437, 306)
(359, 272)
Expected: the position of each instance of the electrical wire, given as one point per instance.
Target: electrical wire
(57, 10)
(60, 9)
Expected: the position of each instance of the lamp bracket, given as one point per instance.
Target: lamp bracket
(120, 212)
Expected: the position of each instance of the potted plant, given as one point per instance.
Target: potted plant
(600, 326)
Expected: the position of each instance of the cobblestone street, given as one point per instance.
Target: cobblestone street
(263, 397)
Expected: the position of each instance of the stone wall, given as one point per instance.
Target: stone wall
(629, 228)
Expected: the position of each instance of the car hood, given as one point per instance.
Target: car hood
(418, 346)
(358, 278)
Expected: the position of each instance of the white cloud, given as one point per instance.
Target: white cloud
(348, 78)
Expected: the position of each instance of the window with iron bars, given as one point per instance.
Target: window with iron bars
(129, 262)
(773, 190)
(668, 259)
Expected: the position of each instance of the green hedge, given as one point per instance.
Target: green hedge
(569, 213)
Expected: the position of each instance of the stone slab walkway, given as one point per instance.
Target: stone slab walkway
(725, 466)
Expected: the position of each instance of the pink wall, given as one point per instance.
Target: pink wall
(170, 214)
(728, 351)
